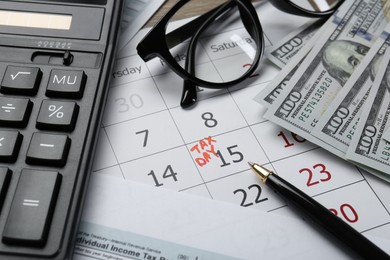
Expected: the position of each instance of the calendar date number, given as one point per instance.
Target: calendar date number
(169, 173)
(348, 213)
(318, 169)
(246, 200)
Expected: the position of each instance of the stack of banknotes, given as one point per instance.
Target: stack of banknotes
(334, 85)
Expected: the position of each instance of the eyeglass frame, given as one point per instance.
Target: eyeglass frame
(157, 43)
(154, 44)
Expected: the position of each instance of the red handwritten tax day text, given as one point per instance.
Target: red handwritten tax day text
(204, 150)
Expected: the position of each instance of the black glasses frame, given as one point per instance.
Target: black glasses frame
(157, 43)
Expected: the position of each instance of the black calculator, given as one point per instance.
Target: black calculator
(55, 63)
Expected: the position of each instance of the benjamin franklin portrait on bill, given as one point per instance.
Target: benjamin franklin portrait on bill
(340, 58)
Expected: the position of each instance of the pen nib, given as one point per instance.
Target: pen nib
(260, 171)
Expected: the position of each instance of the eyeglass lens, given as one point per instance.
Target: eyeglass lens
(223, 50)
(316, 5)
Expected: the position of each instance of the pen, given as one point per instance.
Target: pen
(319, 214)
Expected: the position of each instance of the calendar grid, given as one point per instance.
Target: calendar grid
(117, 162)
(183, 140)
(269, 161)
(147, 137)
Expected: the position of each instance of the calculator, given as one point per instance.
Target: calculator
(55, 63)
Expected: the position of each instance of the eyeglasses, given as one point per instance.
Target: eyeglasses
(220, 48)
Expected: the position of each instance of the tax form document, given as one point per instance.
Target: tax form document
(129, 220)
(147, 137)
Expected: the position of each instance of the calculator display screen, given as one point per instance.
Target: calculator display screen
(39, 19)
(35, 20)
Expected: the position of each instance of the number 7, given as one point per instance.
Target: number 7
(146, 131)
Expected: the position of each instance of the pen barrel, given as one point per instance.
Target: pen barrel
(326, 219)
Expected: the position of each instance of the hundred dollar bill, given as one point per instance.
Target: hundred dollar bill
(283, 51)
(338, 124)
(367, 146)
(386, 135)
(339, 50)
(270, 93)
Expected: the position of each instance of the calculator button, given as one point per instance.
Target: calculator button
(5, 177)
(66, 83)
(21, 80)
(14, 112)
(10, 142)
(48, 149)
(55, 115)
(32, 208)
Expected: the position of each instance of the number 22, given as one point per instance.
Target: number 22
(245, 195)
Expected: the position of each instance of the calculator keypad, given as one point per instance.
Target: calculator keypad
(39, 110)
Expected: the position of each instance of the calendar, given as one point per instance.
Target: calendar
(147, 137)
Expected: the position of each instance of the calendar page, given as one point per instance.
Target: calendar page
(147, 137)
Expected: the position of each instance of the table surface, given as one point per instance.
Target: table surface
(199, 7)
